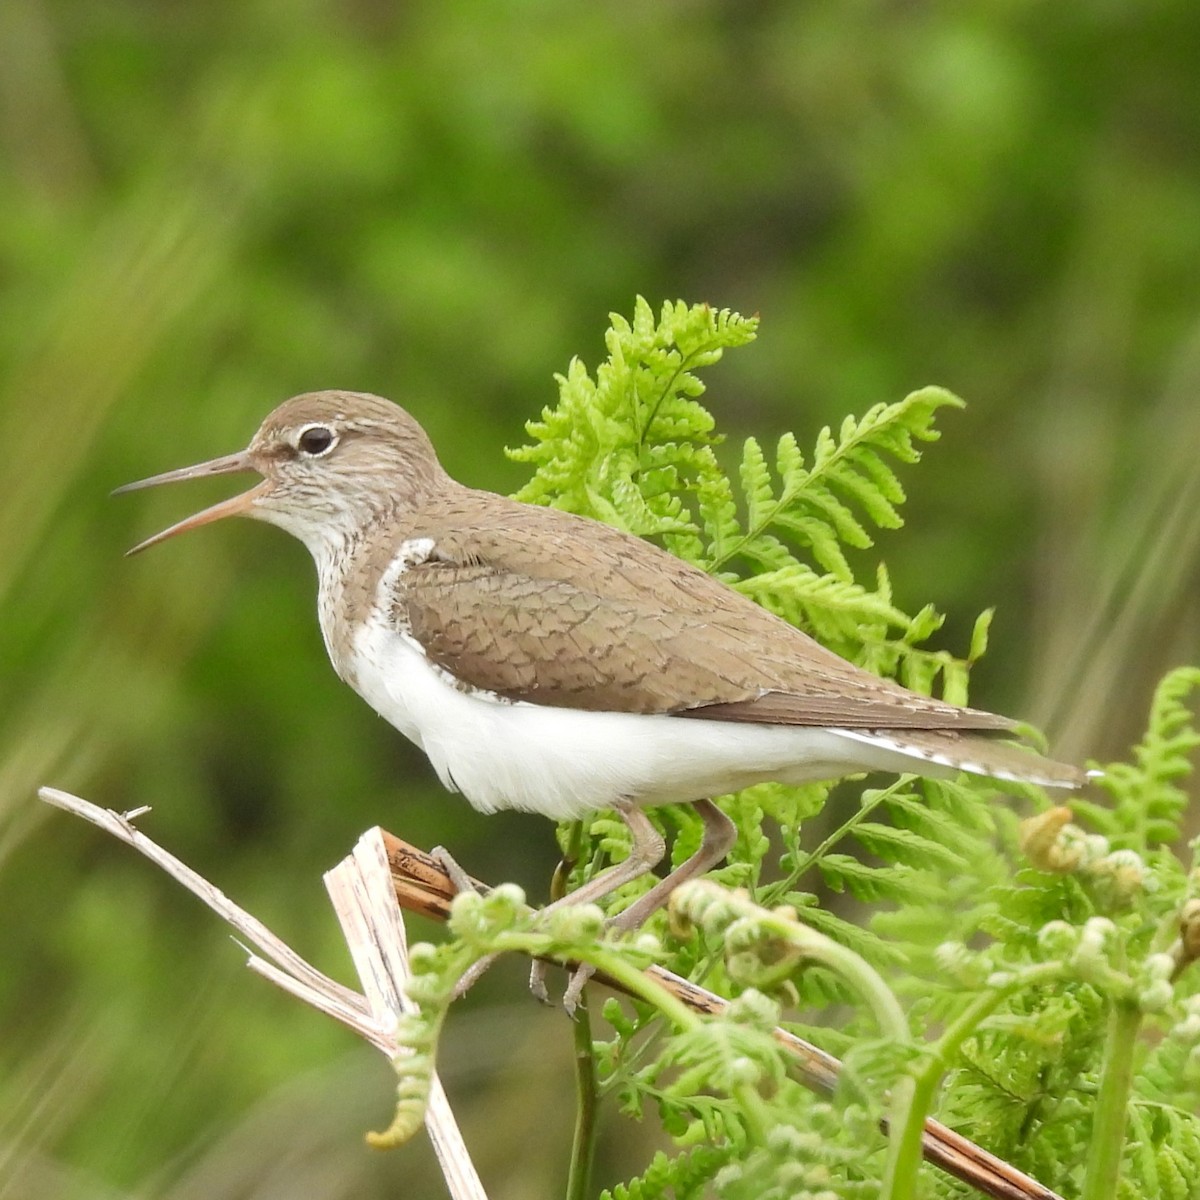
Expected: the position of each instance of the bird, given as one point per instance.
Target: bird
(549, 663)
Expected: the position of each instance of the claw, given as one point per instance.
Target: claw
(574, 992)
(537, 981)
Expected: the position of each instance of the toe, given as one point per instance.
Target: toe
(471, 976)
(574, 992)
(537, 981)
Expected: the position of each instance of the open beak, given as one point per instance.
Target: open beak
(232, 507)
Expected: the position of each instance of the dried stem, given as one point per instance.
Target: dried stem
(364, 899)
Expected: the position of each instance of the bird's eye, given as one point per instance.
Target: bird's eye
(316, 440)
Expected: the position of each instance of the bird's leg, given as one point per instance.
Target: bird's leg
(645, 854)
(462, 883)
(720, 833)
(718, 839)
(461, 880)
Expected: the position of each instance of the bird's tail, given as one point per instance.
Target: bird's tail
(978, 754)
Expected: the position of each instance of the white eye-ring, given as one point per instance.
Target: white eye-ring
(316, 440)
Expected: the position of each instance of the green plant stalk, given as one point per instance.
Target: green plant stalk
(583, 1143)
(899, 1180)
(609, 962)
(913, 1094)
(856, 971)
(754, 1112)
(1112, 1102)
(771, 895)
(911, 1105)
(635, 981)
(856, 817)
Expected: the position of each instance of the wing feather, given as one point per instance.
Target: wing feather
(575, 614)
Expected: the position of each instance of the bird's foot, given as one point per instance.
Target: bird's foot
(462, 883)
(574, 993)
(580, 975)
(537, 981)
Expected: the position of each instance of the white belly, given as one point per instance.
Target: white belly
(563, 763)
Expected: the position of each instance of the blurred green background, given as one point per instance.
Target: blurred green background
(205, 208)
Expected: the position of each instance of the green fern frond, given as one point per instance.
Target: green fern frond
(862, 940)
(719, 1055)
(681, 1177)
(956, 909)
(964, 804)
(1031, 899)
(622, 446)
(1148, 803)
(633, 447)
(892, 883)
(915, 813)
(1162, 1149)
(812, 1151)
(787, 806)
(1168, 1076)
(906, 847)
(817, 504)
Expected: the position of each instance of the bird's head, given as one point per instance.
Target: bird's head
(330, 462)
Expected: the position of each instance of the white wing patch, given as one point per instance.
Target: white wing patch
(412, 553)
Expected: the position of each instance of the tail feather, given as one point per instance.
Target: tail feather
(972, 752)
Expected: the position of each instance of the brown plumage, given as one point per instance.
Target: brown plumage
(540, 605)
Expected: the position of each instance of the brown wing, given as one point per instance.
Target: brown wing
(538, 605)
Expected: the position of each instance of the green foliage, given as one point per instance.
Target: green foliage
(1023, 949)
(683, 1177)
(1147, 802)
(623, 446)
(635, 448)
